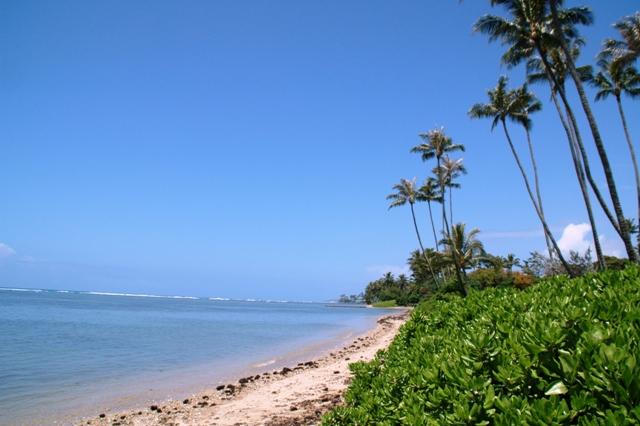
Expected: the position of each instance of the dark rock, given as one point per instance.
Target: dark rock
(186, 401)
(159, 410)
(219, 388)
(153, 407)
(139, 413)
(285, 370)
(205, 397)
(102, 416)
(244, 380)
(123, 417)
(256, 377)
(293, 408)
(336, 372)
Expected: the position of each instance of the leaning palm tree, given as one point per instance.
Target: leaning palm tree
(563, 34)
(534, 27)
(429, 193)
(501, 107)
(462, 251)
(451, 170)
(626, 50)
(525, 104)
(617, 78)
(435, 145)
(536, 73)
(406, 193)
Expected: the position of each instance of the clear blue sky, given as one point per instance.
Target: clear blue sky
(245, 148)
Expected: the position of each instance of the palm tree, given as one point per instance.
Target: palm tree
(406, 193)
(529, 104)
(510, 261)
(435, 145)
(500, 107)
(451, 170)
(626, 50)
(532, 29)
(462, 250)
(562, 34)
(538, 73)
(429, 193)
(617, 78)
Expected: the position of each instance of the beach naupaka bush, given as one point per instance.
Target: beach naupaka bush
(560, 352)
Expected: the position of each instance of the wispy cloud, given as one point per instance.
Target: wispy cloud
(6, 251)
(513, 234)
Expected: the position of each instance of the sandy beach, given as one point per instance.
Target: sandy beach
(295, 395)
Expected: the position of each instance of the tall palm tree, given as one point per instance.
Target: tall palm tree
(405, 192)
(451, 170)
(429, 193)
(527, 104)
(538, 73)
(626, 50)
(501, 107)
(562, 34)
(462, 249)
(617, 78)
(435, 145)
(534, 27)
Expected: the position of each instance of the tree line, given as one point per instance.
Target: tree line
(544, 36)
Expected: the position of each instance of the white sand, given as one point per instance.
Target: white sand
(298, 397)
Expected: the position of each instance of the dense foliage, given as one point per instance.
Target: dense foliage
(559, 352)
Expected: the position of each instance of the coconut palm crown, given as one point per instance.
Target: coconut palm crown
(626, 50)
(462, 249)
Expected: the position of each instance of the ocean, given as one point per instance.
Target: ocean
(65, 354)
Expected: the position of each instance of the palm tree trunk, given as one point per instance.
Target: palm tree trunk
(536, 182)
(580, 145)
(461, 285)
(577, 165)
(433, 226)
(415, 225)
(451, 205)
(602, 153)
(632, 151)
(533, 200)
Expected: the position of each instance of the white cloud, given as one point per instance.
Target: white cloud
(379, 270)
(6, 251)
(577, 237)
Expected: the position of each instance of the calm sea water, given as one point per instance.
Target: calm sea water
(69, 354)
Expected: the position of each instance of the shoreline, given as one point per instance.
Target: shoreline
(297, 394)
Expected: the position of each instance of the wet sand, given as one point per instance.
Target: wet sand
(295, 395)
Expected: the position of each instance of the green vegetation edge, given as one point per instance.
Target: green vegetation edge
(563, 351)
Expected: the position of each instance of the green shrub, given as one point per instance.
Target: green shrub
(560, 352)
(385, 304)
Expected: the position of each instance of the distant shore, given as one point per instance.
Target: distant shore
(294, 395)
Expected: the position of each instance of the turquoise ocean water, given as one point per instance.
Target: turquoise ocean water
(64, 355)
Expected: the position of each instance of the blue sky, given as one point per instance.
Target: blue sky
(245, 148)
